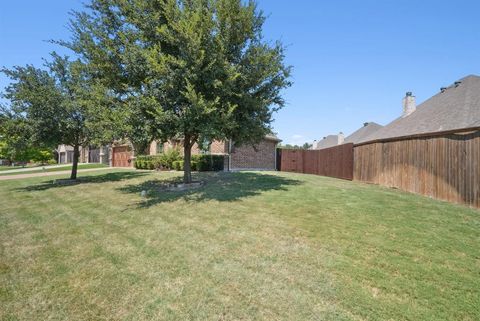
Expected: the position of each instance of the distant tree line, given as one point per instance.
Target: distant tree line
(289, 146)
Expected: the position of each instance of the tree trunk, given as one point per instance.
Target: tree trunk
(76, 156)
(187, 156)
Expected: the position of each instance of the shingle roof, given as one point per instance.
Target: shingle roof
(362, 133)
(326, 142)
(457, 107)
(272, 137)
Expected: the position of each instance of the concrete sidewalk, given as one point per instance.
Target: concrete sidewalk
(26, 175)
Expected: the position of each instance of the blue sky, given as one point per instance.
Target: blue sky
(353, 60)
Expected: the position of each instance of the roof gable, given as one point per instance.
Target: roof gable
(457, 107)
(362, 133)
(326, 142)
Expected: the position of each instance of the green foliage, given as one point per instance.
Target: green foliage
(202, 163)
(59, 105)
(192, 70)
(3, 150)
(42, 156)
(160, 162)
(15, 142)
(207, 163)
(168, 157)
(289, 146)
(178, 165)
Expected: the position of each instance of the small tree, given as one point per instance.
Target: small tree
(42, 156)
(192, 70)
(56, 105)
(307, 146)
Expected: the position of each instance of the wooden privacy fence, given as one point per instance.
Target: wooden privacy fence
(445, 167)
(333, 162)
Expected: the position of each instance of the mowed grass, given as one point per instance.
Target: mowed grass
(6, 168)
(247, 246)
(54, 169)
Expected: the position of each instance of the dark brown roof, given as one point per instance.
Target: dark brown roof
(457, 107)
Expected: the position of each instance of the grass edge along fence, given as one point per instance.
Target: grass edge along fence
(443, 165)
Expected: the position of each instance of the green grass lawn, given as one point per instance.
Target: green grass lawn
(55, 169)
(246, 246)
(6, 168)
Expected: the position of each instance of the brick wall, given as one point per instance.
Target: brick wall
(217, 147)
(245, 157)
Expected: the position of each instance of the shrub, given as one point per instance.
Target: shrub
(157, 163)
(209, 162)
(163, 161)
(170, 156)
(151, 162)
(151, 165)
(177, 165)
(173, 160)
(194, 166)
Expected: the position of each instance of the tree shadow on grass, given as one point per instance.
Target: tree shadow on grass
(223, 187)
(94, 179)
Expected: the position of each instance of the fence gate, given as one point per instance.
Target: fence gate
(333, 162)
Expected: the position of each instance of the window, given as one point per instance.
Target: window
(159, 148)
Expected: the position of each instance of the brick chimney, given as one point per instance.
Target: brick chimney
(409, 105)
(341, 138)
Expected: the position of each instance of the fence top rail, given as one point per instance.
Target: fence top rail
(435, 134)
(317, 150)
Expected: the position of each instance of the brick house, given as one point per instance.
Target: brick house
(261, 157)
(88, 154)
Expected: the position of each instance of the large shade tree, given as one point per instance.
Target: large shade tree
(56, 105)
(193, 70)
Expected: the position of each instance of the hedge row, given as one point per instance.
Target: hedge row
(200, 163)
(203, 163)
(163, 161)
(206, 163)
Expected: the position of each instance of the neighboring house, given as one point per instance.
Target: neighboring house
(432, 149)
(65, 154)
(456, 107)
(87, 154)
(261, 157)
(329, 141)
(359, 135)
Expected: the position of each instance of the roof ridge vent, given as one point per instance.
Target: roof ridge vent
(457, 83)
(443, 89)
